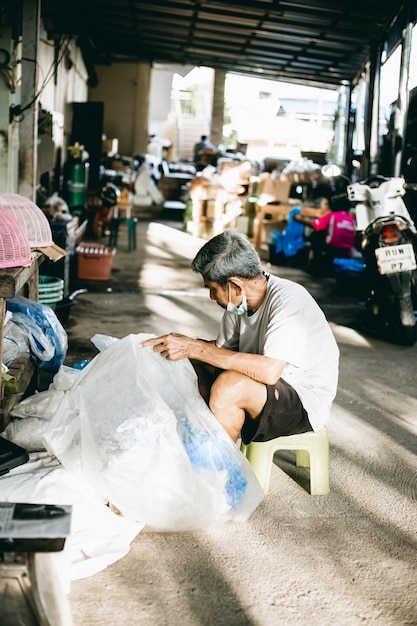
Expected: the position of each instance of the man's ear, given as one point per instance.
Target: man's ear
(237, 283)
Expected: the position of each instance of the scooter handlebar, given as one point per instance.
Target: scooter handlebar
(357, 192)
(375, 181)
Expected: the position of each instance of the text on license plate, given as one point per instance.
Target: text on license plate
(396, 259)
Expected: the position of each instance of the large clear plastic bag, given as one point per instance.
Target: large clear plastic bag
(135, 426)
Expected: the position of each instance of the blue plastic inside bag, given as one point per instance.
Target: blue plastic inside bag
(204, 450)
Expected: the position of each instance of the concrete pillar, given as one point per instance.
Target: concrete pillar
(28, 127)
(370, 159)
(141, 108)
(403, 98)
(10, 101)
(6, 99)
(217, 112)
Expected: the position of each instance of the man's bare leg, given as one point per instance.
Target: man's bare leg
(232, 397)
(206, 375)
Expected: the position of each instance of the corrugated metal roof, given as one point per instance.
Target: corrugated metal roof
(316, 42)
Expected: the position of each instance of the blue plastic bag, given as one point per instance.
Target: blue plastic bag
(47, 338)
(277, 241)
(290, 240)
(351, 265)
(293, 239)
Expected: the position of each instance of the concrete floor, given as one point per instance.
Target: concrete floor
(348, 558)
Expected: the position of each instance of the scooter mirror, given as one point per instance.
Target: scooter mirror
(331, 170)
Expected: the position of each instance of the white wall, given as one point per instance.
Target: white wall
(70, 85)
(56, 87)
(124, 89)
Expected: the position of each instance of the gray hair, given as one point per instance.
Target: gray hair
(228, 254)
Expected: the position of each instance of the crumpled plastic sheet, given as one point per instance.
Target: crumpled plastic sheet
(32, 416)
(135, 428)
(98, 536)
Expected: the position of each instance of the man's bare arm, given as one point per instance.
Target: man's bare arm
(174, 347)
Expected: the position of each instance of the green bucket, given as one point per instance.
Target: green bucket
(51, 290)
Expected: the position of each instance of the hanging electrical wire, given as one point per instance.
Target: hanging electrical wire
(16, 111)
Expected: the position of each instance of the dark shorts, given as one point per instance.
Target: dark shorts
(283, 414)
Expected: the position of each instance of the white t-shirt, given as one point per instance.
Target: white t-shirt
(290, 326)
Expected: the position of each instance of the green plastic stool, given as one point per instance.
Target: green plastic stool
(131, 231)
(312, 451)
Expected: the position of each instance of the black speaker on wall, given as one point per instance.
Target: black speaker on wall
(87, 129)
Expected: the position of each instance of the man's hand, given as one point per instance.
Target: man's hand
(263, 369)
(173, 347)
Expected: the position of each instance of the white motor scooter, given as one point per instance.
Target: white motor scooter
(388, 239)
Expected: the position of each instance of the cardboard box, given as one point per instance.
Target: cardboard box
(272, 190)
(110, 146)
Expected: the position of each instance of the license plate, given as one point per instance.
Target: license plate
(396, 259)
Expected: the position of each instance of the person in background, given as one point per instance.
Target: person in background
(146, 192)
(203, 146)
(333, 236)
(322, 206)
(154, 157)
(154, 147)
(273, 368)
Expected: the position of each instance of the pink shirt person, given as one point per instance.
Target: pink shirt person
(340, 227)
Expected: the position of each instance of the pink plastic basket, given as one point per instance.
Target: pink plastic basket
(30, 217)
(14, 244)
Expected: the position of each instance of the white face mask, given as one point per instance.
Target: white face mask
(237, 310)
